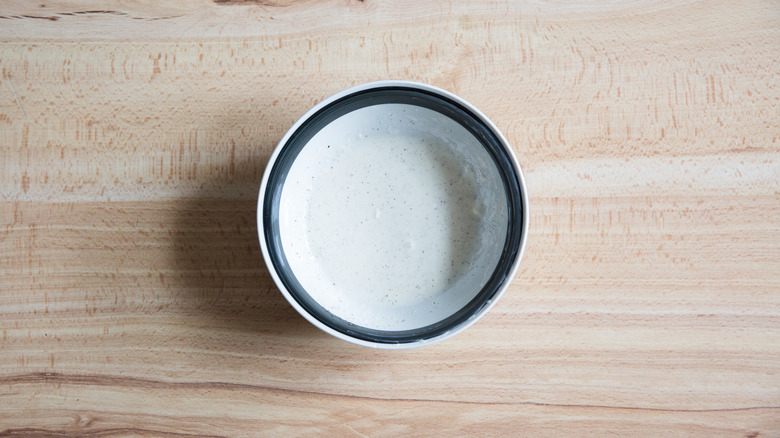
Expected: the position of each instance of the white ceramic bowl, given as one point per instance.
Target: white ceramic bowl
(393, 214)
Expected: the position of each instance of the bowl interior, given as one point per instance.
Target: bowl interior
(393, 217)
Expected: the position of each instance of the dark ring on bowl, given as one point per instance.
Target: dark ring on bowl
(377, 96)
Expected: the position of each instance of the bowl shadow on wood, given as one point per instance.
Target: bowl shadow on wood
(226, 288)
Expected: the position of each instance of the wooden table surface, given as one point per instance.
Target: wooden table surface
(134, 299)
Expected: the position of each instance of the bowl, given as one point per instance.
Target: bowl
(392, 215)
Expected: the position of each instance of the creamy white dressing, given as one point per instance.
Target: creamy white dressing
(393, 217)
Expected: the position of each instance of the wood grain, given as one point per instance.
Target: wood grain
(134, 300)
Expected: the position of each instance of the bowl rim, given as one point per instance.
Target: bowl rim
(481, 118)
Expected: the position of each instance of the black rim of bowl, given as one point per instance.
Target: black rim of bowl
(389, 95)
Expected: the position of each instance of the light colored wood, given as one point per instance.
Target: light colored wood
(134, 300)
